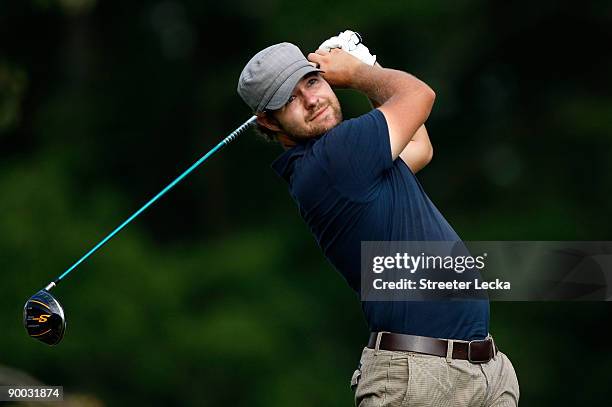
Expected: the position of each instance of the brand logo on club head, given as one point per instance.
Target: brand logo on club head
(42, 318)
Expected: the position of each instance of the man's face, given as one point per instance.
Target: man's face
(312, 109)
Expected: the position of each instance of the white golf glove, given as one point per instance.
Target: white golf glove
(350, 42)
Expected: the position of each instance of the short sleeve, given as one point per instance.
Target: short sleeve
(357, 153)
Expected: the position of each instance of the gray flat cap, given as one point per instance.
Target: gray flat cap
(268, 79)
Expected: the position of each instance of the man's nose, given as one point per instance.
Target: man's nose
(310, 100)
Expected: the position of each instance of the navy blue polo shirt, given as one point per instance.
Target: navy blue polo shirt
(348, 190)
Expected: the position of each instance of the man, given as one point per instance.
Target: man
(354, 181)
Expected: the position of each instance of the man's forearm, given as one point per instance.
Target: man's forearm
(372, 102)
(381, 84)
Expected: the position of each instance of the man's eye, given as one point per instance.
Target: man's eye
(312, 81)
(291, 98)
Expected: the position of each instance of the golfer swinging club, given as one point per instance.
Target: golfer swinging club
(354, 181)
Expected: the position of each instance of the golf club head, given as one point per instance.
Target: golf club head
(43, 318)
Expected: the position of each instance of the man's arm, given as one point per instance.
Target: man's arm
(404, 100)
(419, 151)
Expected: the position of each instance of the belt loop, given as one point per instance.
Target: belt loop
(377, 345)
(494, 346)
(449, 351)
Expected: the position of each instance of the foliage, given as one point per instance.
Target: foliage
(218, 295)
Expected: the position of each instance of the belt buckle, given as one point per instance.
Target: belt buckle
(470, 352)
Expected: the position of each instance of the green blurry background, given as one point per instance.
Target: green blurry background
(218, 295)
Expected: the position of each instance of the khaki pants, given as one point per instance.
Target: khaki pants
(389, 378)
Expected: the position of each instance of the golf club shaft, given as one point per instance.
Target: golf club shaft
(178, 179)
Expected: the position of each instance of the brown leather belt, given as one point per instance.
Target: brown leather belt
(480, 351)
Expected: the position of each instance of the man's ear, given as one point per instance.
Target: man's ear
(268, 121)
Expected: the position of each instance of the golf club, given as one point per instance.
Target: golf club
(43, 315)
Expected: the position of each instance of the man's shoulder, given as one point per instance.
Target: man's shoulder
(373, 118)
(348, 134)
(341, 155)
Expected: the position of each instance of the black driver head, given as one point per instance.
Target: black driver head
(43, 318)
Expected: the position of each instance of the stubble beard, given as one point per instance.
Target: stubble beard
(304, 132)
